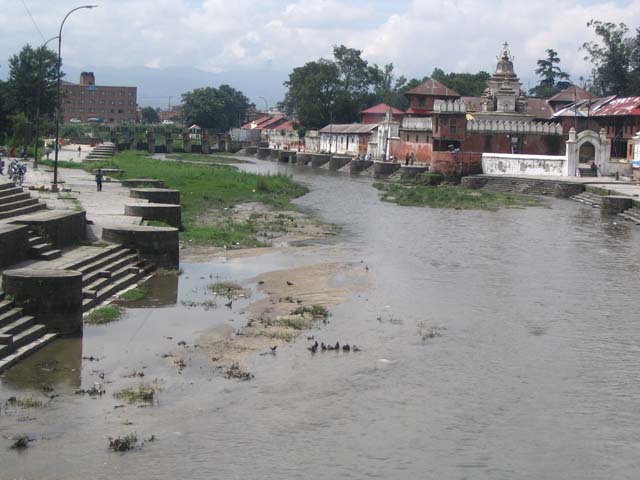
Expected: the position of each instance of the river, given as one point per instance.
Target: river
(533, 374)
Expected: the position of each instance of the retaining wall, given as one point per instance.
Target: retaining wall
(157, 195)
(156, 244)
(162, 212)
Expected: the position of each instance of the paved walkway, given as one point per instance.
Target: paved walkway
(104, 208)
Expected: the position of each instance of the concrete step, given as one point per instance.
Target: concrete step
(39, 248)
(10, 191)
(587, 172)
(5, 306)
(110, 268)
(50, 254)
(17, 326)
(16, 197)
(112, 264)
(4, 207)
(7, 185)
(23, 211)
(114, 277)
(10, 315)
(111, 289)
(29, 335)
(104, 257)
(8, 356)
(35, 240)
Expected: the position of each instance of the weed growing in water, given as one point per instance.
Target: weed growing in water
(24, 402)
(315, 311)
(123, 444)
(135, 294)
(139, 394)
(103, 315)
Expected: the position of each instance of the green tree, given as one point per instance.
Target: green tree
(553, 79)
(336, 90)
(217, 109)
(149, 115)
(32, 80)
(614, 60)
(466, 84)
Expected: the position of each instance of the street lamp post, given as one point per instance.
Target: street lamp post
(54, 187)
(38, 94)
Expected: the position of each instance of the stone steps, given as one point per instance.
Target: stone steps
(124, 282)
(523, 186)
(589, 198)
(17, 204)
(22, 211)
(587, 172)
(631, 215)
(20, 335)
(9, 191)
(41, 250)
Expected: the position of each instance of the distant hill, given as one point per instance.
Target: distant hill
(155, 86)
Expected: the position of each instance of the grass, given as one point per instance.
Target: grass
(139, 394)
(204, 189)
(225, 289)
(296, 322)
(103, 315)
(452, 197)
(315, 311)
(135, 294)
(24, 402)
(215, 159)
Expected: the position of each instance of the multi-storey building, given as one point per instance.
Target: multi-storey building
(88, 102)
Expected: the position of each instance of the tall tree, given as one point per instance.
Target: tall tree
(218, 109)
(615, 69)
(32, 80)
(553, 79)
(335, 90)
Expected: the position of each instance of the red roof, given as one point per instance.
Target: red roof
(288, 125)
(382, 108)
(433, 88)
(619, 106)
(264, 122)
(571, 94)
(539, 108)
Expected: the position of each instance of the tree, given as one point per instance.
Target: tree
(335, 90)
(553, 79)
(466, 84)
(32, 80)
(149, 115)
(615, 60)
(218, 109)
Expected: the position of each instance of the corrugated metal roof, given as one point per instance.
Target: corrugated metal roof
(583, 108)
(382, 108)
(620, 106)
(350, 128)
(433, 88)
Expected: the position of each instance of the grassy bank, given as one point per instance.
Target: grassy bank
(206, 191)
(452, 197)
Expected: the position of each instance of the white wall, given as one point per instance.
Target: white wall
(506, 164)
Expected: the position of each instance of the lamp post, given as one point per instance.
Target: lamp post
(38, 94)
(54, 187)
(266, 105)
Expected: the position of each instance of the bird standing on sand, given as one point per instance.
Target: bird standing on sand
(313, 348)
(289, 283)
(229, 304)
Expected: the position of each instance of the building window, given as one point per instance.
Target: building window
(132, 103)
(101, 102)
(131, 94)
(122, 93)
(421, 101)
(112, 102)
(121, 102)
(91, 102)
(120, 110)
(416, 138)
(453, 127)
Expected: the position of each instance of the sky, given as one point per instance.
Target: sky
(221, 36)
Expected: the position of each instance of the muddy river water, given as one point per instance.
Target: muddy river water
(534, 373)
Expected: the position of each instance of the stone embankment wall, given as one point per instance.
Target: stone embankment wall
(155, 244)
(508, 164)
(14, 244)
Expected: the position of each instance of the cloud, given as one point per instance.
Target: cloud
(219, 35)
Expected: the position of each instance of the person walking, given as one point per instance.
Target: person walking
(79, 151)
(47, 152)
(99, 178)
(412, 158)
(407, 157)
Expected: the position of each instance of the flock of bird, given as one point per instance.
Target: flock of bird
(336, 348)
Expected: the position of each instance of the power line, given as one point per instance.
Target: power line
(31, 17)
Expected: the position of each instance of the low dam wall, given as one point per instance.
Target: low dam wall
(357, 166)
(319, 159)
(338, 161)
(382, 169)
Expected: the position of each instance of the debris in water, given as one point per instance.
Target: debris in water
(94, 391)
(20, 442)
(235, 371)
(123, 444)
(91, 359)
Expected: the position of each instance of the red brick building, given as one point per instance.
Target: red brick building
(87, 101)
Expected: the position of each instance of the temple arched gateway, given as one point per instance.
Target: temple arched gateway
(585, 147)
